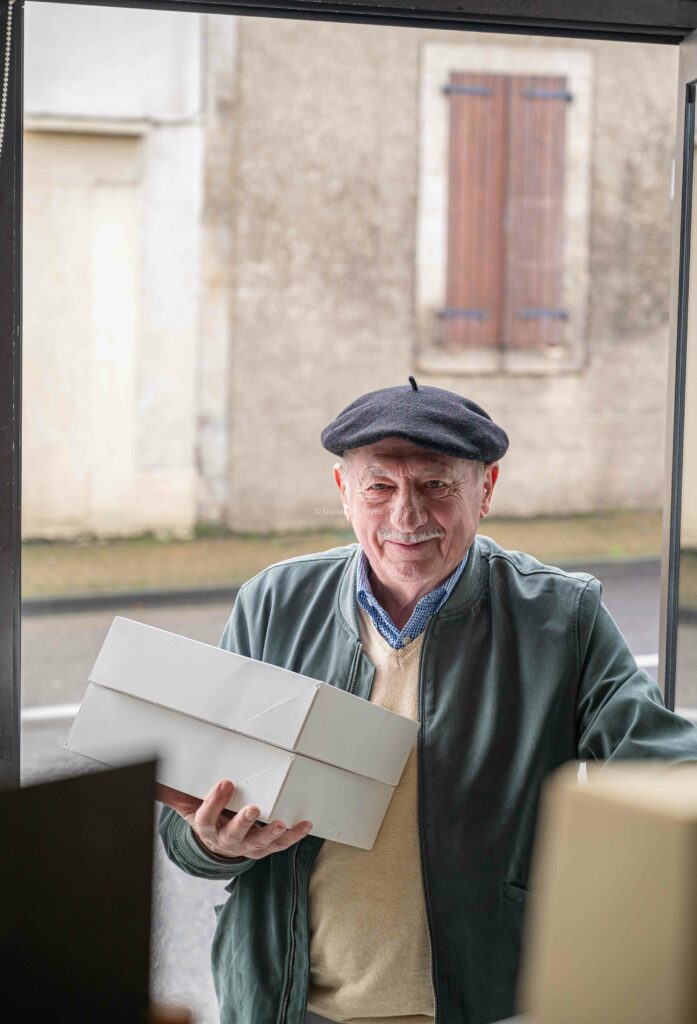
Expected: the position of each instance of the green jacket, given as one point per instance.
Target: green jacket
(521, 670)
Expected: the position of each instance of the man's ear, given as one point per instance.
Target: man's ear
(491, 475)
(341, 484)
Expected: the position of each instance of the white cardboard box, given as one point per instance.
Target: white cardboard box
(296, 747)
(251, 697)
(115, 728)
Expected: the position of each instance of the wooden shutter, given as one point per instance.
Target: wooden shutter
(505, 211)
(475, 201)
(535, 212)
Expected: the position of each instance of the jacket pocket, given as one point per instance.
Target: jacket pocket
(516, 892)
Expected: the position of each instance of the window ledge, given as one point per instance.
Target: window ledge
(85, 125)
(489, 362)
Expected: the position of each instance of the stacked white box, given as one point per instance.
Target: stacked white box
(295, 747)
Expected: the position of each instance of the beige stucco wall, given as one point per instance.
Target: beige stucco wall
(324, 274)
(113, 196)
(267, 227)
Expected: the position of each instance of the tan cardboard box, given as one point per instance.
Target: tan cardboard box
(612, 927)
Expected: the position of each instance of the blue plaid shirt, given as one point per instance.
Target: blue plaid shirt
(426, 607)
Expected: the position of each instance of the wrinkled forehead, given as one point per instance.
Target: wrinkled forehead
(396, 456)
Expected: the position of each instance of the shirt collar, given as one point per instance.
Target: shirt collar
(426, 607)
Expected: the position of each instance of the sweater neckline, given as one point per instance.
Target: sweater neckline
(399, 654)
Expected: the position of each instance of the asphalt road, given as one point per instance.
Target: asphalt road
(58, 651)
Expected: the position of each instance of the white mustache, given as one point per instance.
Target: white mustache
(410, 538)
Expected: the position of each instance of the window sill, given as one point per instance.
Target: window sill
(497, 362)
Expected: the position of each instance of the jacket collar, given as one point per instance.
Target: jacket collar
(464, 594)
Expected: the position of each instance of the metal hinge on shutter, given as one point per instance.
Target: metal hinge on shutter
(450, 313)
(543, 314)
(468, 90)
(548, 94)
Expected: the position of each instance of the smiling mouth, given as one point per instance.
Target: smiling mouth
(413, 544)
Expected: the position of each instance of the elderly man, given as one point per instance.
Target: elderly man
(511, 667)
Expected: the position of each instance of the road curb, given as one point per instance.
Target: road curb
(611, 568)
(69, 603)
(58, 604)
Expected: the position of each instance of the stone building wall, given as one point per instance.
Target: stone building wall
(222, 251)
(325, 199)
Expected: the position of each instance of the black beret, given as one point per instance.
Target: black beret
(429, 417)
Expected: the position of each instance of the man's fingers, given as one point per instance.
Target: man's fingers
(291, 836)
(260, 840)
(206, 820)
(277, 839)
(241, 828)
(253, 841)
(239, 836)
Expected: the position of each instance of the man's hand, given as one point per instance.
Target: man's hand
(231, 835)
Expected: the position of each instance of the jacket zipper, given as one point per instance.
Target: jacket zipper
(291, 954)
(354, 667)
(294, 888)
(419, 754)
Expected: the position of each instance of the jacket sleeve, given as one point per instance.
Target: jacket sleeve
(237, 636)
(620, 710)
(178, 839)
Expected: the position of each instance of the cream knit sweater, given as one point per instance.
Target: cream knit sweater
(369, 946)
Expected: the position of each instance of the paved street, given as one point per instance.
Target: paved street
(58, 651)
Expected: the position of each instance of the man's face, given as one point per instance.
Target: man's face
(414, 512)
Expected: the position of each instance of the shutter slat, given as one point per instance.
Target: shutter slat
(477, 157)
(535, 213)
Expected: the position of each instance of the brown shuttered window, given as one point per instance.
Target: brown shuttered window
(505, 211)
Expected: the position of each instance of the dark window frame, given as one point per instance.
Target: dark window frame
(649, 21)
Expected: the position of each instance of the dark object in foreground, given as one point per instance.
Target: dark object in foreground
(75, 890)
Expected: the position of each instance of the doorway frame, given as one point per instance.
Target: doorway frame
(647, 21)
